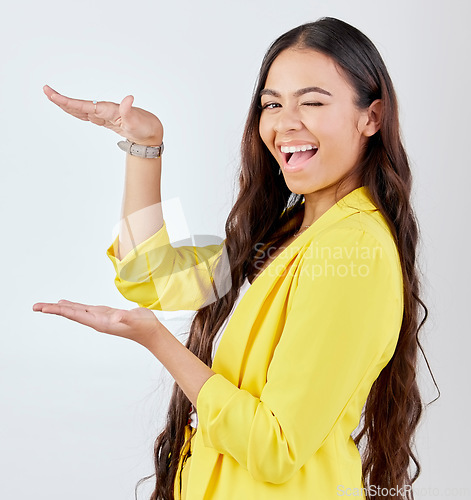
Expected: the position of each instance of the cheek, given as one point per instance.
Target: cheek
(266, 133)
(339, 130)
(332, 126)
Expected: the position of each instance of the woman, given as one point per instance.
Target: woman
(264, 405)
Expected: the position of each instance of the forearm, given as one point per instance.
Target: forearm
(141, 214)
(189, 372)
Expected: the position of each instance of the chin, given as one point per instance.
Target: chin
(300, 187)
(297, 190)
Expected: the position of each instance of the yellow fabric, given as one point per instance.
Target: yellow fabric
(297, 359)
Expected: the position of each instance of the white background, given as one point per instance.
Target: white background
(80, 410)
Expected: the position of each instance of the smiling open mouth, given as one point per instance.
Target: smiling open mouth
(299, 155)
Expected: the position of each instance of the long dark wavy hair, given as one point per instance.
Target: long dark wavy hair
(266, 210)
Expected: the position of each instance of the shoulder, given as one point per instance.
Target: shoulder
(355, 252)
(363, 233)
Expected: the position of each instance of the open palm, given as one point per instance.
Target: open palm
(139, 324)
(136, 124)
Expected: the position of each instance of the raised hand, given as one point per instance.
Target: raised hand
(139, 324)
(136, 124)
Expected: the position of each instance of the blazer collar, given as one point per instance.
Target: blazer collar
(358, 200)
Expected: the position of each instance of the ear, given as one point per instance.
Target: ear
(371, 120)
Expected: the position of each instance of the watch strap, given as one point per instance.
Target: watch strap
(140, 150)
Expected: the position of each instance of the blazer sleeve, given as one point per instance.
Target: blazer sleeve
(159, 276)
(341, 329)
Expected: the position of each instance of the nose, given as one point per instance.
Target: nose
(287, 120)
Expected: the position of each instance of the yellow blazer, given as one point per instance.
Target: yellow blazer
(297, 359)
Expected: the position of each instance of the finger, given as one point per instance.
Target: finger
(82, 316)
(77, 105)
(81, 116)
(100, 113)
(95, 120)
(69, 104)
(126, 106)
(91, 316)
(72, 106)
(77, 305)
(39, 306)
(49, 91)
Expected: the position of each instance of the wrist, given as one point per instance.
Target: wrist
(150, 338)
(141, 150)
(152, 141)
(160, 342)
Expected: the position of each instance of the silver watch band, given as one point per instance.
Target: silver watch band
(140, 150)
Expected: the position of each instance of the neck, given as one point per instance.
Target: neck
(318, 202)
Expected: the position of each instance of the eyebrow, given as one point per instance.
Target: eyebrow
(298, 93)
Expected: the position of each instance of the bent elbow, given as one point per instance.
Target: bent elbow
(273, 475)
(275, 468)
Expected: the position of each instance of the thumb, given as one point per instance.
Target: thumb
(125, 106)
(121, 316)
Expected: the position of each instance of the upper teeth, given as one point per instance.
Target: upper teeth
(295, 149)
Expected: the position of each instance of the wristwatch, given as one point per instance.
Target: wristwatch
(140, 150)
